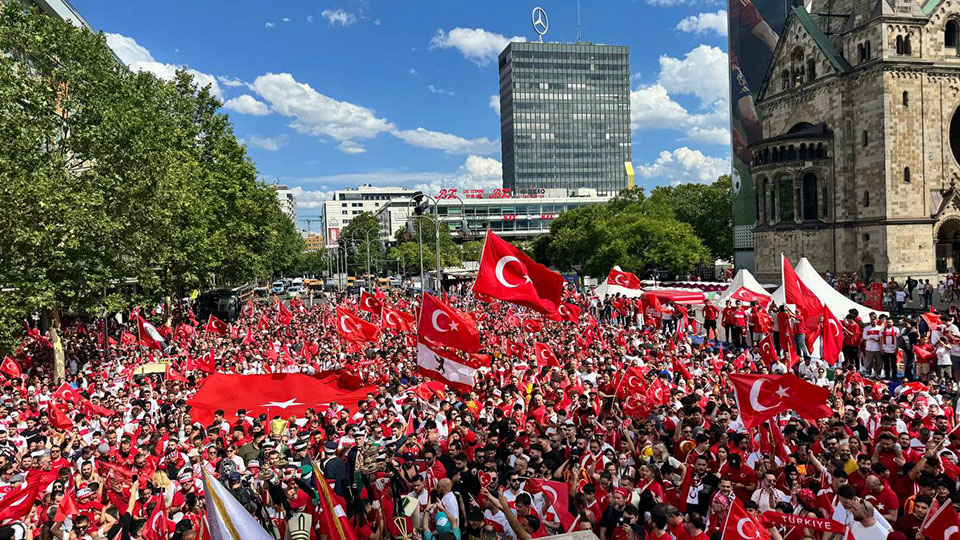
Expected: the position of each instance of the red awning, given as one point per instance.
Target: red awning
(679, 296)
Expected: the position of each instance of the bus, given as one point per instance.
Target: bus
(224, 304)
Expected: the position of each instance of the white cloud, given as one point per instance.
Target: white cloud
(475, 44)
(684, 165)
(435, 90)
(704, 23)
(311, 198)
(266, 143)
(338, 17)
(285, 19)
(674, 3)
(494, 103)
(231, 82)
(351, 147)
(451, 144)
(269, 25)
(475, 173)
(138, 58)
(412, 71)
(376, 22)
(310, 19)
(316, 114)
(247, 104)
(702, 72)
(652, 108)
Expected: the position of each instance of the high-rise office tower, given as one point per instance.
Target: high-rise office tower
(565, 116)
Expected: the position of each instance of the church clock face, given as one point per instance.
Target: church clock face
(737, 182)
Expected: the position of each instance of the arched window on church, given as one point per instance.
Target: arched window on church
(810, 206)
(811, 70)
(866, 199)
(899, 44)
(868, 50)
(785, 79)
(772, 207)
(861, 52)
(951, 37)
(906, 98)
(906, 175)
(906, 46)
(797, 66)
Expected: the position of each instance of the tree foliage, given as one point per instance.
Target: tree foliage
(408, 249)
(635, 231)
(707, 208)
(361, 234)
(111, 175)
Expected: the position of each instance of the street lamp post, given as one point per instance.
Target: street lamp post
(423, 201)
(366, 233)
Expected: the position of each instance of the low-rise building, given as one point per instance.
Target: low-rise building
(347, 204)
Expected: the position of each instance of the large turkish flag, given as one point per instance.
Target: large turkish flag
(391, 317)
(510, 275)
(282, 394)
(740, 525)
(353, 328)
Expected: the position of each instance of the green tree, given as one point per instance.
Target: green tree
(707, 208)
(472, 250)
(450, 254)
(363, 232)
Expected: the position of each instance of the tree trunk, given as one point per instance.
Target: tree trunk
(59, 358)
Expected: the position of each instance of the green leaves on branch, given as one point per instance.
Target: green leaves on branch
(674, 228)
(112, 175)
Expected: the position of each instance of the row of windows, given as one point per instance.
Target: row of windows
(520, 209)
(536, 55)
(567, 68)
(781, 197)
(776, 154)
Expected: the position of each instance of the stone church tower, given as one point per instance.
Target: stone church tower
(860, 157)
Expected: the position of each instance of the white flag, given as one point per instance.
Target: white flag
(227, 519)
(446, 367)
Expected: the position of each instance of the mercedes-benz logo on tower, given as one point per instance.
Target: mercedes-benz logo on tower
(539, 20)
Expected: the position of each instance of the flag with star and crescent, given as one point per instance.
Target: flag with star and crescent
(760, 397)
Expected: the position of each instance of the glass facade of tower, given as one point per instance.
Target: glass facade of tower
(565, 116)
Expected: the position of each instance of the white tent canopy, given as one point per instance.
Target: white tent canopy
(609, 289)
(839, 304)
(743, 279)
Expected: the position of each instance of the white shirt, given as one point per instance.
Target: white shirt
(763, 500)
(877, 531)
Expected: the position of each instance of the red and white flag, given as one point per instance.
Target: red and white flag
(942, 524)
(370, 303)
(11, 367)
(760, 397)
(740, 525)
(391, 317)
(832, 337)
(545, 356)
(568, 312)
(351, 327)
(216, 326)
(440, 323)
(514, 349)
(67, 393)
(59, 419)
(509, 274)
(796, 292)
(446, 366)
(333, 516)
(768, 353)
(623, 279)
(206, 363)
(557, 494)
(149, 337)
(15, 505)
(158, 526)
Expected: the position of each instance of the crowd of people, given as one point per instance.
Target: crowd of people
(532, 449)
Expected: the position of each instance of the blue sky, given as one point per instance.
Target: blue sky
(332, 94)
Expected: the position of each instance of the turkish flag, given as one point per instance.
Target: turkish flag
(636, 405)
(797, 293)
(149, 337)
(632, 382)
(557, 494)
(67, 393)
(353, 328)
(127, 338)
(678, 367)
(658, 393)
(568, 312)
(623, 279)
(15, 505)
(545, 356)
(215, 325)
(514, 349)
(532, 326)
(746, 295)
(284, 394)
(943, 524)
(333, 516)
(932, 319)
(510, 275)
(832, 337)
(283, 314)
(158, 526)
(11, 367)
(740, 525)
(207, 363)
(58, 419)
(768, 351)
(760, 397)
(174, 375)
(440, 323)
(91, 409)
(391, 317)
(370, 303)
(924, 353)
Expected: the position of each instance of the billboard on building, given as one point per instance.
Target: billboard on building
(754, 29)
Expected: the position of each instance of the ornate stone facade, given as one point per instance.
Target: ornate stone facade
(861, 144)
